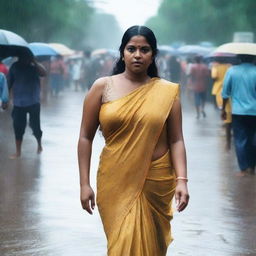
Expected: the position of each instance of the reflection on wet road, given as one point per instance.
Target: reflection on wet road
(40, 212)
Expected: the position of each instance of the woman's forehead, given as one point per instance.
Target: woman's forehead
(138, 40)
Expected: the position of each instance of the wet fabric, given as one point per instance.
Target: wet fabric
(244, 129)
(133, 193)
(25, 83)
(199, 77)
(240, 86)
(218, 73)
(19, 116)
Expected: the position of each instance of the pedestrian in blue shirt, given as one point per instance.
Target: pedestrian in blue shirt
(24, 82)
(4, 95)
(240, 86)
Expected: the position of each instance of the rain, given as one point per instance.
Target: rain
(72, 43)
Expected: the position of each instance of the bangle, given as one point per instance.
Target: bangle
(182, 178)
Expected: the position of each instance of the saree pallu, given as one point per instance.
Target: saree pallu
(133, 193)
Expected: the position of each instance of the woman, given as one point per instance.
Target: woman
(140, 118)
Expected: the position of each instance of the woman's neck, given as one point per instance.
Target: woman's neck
(140, 77)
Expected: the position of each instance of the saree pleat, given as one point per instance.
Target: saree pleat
(133, 193)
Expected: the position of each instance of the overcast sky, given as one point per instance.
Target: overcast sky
(129, 12)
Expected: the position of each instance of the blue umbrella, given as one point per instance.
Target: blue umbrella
(42, 49)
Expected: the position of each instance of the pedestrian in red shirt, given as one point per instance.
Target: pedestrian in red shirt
(3, 68)
(199, 74)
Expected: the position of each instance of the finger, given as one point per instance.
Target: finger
(183, 204)
(177, 198)
(93, 202)
(182, 207)
(86, 206)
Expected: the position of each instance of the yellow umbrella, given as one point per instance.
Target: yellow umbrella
(237, 48)
(62, 49)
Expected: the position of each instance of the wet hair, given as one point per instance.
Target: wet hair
(246, 58)
(198, 59)
(151, 39)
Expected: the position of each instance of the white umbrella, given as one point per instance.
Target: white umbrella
(12, 44)
(194, 50)
(237, 48)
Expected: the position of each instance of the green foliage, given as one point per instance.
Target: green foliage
(104, 31)
(63, 21)
(193, 21)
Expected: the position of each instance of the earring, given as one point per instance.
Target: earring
(122, 58)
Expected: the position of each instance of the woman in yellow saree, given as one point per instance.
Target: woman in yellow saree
(143, 163)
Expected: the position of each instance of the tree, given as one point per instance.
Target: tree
(72, 22)
(193, 21)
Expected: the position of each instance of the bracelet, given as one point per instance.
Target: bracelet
(182, 178)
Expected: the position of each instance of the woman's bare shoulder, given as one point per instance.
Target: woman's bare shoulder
(100, 84)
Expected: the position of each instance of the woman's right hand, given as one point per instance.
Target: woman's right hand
(87, 198)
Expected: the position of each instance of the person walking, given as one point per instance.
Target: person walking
(143, 164)
(240, 86)
(23, 81)
(58, 71)
(218, 72)
(175, 70)
(4, 95)
(199, 74)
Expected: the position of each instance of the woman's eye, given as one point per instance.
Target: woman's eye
(145, 49)
(130, 49)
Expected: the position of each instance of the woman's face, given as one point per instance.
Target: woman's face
(138, 54)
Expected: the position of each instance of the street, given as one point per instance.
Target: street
(40, 211)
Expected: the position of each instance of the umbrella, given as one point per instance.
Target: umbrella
(42, 49)
(99, 52)
(12, 44)
(237, 48)
(194, 50)
(62, 49)
(221, 57)
(106, 52)
(166, 49)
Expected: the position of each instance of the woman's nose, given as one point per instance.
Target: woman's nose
(137, 53)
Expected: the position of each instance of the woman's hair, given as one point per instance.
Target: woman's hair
(151, 39)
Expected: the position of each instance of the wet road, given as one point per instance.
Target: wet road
(40, 212)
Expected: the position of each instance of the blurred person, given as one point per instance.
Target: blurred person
(218, 72)
(57, 73)
(44, 81)
(174, 69)
(186, 67)
(86, 75)
(76, 73)
(4, 95)
(107, 65)
(3, 68)
(199, 74)
(143, 164)
(240, 86)
(24, 83)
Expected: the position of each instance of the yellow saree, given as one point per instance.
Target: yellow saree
(134, 193)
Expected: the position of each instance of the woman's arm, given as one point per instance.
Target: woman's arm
(89, 125)
(178, 153)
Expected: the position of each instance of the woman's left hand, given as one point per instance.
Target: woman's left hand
(181, 195)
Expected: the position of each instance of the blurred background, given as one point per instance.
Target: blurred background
(77, 41)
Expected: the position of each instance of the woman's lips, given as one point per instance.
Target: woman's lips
(137, 63)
